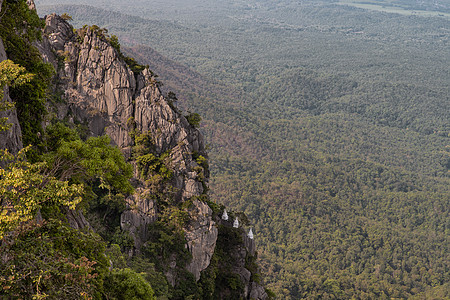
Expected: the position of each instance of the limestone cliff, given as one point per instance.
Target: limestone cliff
(100, 90)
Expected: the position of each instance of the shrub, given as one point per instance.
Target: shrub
(194, 119)
(126, 284)
(66, 17)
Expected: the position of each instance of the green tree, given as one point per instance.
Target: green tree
(25, 188)
(129, 285)
(95, 159)
(194, 119)
(20, 27)
(51, 260)
(12, 75)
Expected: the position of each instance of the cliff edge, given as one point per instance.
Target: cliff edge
(111, 94)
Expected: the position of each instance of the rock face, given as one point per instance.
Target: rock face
(136, 221)
(201, 235)
(105, 84)
(103, 92)
(12, 138)
(31, 4)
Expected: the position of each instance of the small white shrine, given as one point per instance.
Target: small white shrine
(236, 223)
(225, 215)
(250, 234)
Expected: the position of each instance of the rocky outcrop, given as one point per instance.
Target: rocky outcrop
(257, 292)
(241, 252)
(105, 84)
(201, 236)
(136, 220)
(76, 219)
(103, 92)
(31, 4)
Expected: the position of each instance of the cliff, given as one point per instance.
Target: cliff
(110, 94)
(10, 139)
(104, 93)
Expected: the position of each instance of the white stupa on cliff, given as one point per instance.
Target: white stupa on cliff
(236, 223)
(250, 234)
(225, 215)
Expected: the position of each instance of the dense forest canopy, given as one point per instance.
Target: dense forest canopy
(329, 127)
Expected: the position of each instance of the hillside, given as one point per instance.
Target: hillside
(328, 126)
(109, 199)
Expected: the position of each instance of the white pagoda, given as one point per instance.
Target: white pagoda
(250, 234)
(225, 215)
(236, 223)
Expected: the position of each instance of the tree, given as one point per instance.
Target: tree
(51, 260)
(194, 119)
(127, 284)
(83, 162)
(11, 74)
(66, 17)
(25, 188)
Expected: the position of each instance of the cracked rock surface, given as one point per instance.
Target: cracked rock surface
(103, 92)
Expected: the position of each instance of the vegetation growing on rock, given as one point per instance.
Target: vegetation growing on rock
(62, 222)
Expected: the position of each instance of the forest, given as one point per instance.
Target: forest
(64, 194)
(328, 126)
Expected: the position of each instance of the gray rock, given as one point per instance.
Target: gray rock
(142, 212)
(31, 4)
(76, 219)
(101, 90)
(106, 85)
(10, 139)
(171, 271)
(201, 237)
(58, 32)
(257, 292)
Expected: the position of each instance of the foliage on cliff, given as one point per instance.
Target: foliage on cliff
(19, 28)
(11, 75)
(25, 188)
(45, 257)
(42, 256)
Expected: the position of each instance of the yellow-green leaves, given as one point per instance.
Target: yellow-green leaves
(11, 74)
(24, 188)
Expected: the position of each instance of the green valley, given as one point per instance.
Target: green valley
(328, 126)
